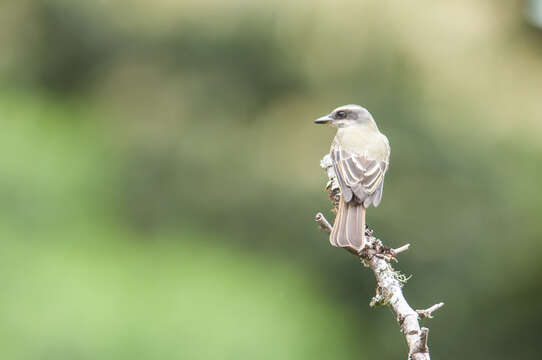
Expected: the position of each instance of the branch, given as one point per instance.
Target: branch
(389, 281)
(389, 292)
(323, 223)
(400, 249)
(427, 313)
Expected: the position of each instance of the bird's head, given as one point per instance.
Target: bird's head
(347, 115)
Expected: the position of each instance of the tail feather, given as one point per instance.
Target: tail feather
(349, 227)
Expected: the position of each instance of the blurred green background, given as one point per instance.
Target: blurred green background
(160, 173)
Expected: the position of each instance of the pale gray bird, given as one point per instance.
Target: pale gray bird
(360, 154)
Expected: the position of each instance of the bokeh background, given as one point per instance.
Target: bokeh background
(159, 174)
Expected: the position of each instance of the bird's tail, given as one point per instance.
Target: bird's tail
(349, 227)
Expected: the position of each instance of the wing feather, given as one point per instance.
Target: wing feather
(360, 178)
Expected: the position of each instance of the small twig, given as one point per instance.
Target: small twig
(323, 223)
(400, 249)
(427, 313)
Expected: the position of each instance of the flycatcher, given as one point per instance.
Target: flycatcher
(360, 154)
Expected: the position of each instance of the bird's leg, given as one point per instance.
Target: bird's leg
(363, 242)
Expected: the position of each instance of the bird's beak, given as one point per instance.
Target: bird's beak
(324, 120)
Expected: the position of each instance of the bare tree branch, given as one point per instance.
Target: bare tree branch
(427, 313)
(400, 249)
(389, 281)
(324, 224)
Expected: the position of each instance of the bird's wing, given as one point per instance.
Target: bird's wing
(360, 177)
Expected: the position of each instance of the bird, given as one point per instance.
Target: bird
(360, 155)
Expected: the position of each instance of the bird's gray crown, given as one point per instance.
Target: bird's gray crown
(350, 112)
(347, 115)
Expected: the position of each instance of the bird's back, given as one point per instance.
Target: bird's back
(364, 140)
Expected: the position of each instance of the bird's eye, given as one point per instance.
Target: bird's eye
(340, 114)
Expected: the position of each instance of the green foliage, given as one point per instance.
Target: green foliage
(76, 286)
(110, 294)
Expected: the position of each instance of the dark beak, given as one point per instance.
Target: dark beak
(324, 120)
